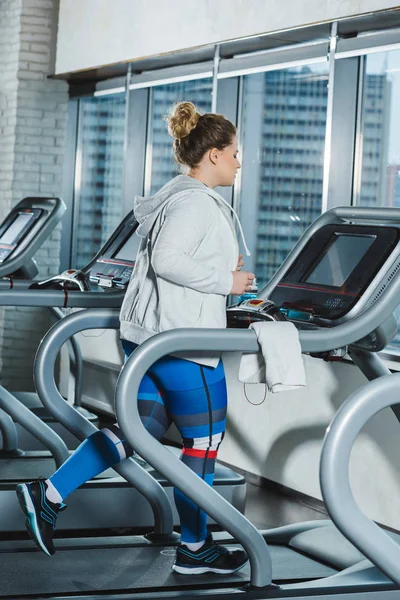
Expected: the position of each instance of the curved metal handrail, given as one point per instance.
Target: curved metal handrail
(71, 299)
(75, 357)
(38, 428)
(9, 433)
(171, 467)
(75, 422)
(372, 541)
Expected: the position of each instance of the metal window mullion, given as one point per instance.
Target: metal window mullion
(77, 186)
(125, 165)
(237, 188)
(227, 104)
(214, 92)
(329, 118)
(136, 144)
(149, 144)
(359, 141)
(68, 185)
(344, 119)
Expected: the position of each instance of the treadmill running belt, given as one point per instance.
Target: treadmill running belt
(108, 569)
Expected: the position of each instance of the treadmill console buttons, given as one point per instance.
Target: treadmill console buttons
(126, 274)
(105, 282)
(334, 303)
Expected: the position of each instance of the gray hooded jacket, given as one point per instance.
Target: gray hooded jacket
(184, 264)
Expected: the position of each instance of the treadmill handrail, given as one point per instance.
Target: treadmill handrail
(75, 422)
(21, 295)
(179, 474)
(371, 540)
(31, 422)
(75, 358)
(9, 432)
(332, 216)
(58, 208)
(220, 340)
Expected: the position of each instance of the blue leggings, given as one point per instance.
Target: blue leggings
(174, 390)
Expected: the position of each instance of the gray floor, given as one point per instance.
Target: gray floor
(266, 509)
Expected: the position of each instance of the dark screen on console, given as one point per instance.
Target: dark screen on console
(340, 259)
(15, 229)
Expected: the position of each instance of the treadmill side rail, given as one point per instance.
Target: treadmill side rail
(372, 541)
(76, 423)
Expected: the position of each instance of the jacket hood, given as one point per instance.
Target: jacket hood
(147, 208)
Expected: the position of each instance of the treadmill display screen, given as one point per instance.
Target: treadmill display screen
(129, 249)
(11, 234)
(340, 259)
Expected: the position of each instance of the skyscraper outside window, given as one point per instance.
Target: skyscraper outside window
(99, 177)
(283, 133)
(380, 124)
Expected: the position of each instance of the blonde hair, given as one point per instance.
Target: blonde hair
(194, 134)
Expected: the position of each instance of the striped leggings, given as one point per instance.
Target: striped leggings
(194, 398)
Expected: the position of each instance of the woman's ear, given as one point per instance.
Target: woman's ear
(213, 155)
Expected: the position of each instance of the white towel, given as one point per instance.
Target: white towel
(280, 362)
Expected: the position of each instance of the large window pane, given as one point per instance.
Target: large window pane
(163, 165)
(98, 197)
(380, 172)
(283, 133)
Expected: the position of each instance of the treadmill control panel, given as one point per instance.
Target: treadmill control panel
(337, 272)
(109, 273)
(15, 228)
(113, 266)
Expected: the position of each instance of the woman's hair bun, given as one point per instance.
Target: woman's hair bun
(183, 119)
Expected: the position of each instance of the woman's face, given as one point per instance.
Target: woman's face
(226, 163)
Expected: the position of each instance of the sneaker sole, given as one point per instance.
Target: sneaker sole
(26, 503)
(202, 570)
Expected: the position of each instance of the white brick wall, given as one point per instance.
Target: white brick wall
(33, 120)
(9, 47)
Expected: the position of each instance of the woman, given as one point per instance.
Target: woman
(187, 264)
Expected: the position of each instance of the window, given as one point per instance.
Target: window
(380, 167)
(163, 165)
(99, 176)
(380, 172)
(283, 135)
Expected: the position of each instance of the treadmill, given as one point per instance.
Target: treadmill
(24, 230)
(109, 270)
(306, 560)
(102, 283)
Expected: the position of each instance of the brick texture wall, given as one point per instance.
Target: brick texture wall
(33, 125)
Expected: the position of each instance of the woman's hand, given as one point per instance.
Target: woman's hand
(240, 262)
(242, 281)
